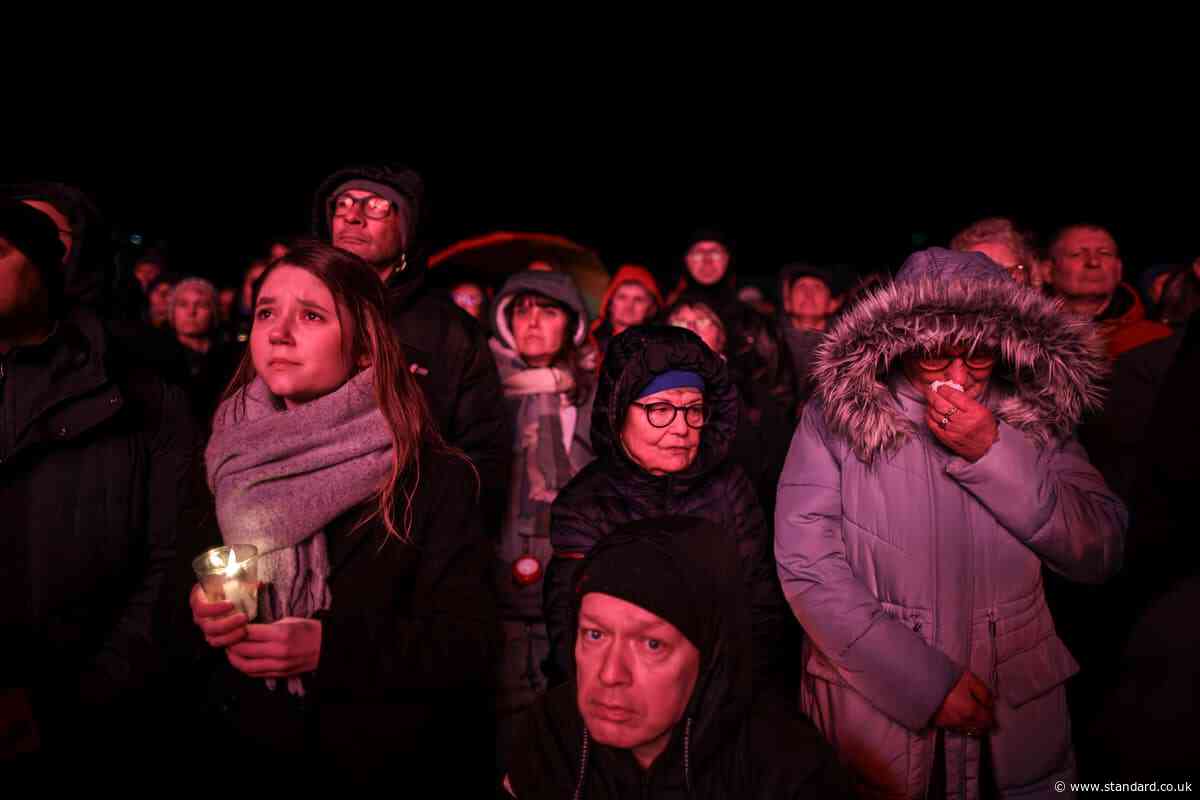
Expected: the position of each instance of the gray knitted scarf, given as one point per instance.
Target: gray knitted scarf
(280, 476)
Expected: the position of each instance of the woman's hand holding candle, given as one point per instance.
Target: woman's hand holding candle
(283, 649)
(222, 627)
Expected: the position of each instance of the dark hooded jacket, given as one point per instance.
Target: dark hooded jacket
(444, 346)
(94, 454)
(602, 328)
(721, 297)
(614, 490)
(726, 745)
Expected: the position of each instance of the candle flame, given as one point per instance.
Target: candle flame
(232, 567)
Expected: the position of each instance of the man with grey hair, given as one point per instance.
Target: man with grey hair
(998, 239)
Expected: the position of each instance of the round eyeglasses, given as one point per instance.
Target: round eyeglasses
(662, 414)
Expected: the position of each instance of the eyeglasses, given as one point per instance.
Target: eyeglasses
(977, 360)
(660, 415)
(373, 206)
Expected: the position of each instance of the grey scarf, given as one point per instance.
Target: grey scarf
(280, 476)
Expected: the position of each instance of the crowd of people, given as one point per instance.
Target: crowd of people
(919, 534)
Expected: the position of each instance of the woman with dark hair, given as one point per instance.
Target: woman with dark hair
(540, 325)
(375, 624)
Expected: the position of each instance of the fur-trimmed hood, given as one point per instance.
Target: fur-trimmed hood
(1050, 362)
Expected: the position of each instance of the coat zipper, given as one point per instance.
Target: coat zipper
(995, 651)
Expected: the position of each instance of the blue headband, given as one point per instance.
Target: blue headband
(672, 379)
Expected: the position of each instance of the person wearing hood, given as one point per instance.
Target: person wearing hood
(374, 211)
(708, 272)
(541, 323)
(94, 450)
(932, 475)
(632, 298)
(661, 701)
(664, 421)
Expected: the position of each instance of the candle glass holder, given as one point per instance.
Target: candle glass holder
(230, 574)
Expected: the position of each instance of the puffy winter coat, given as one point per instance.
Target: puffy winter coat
(907, 564)
(613, 489)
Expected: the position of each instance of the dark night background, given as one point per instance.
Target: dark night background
(863, 195)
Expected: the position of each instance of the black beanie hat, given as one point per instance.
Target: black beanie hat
(35, 235)
(666, 566)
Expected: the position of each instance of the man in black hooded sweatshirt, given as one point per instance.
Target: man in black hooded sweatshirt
(374, 212)
(662, 703)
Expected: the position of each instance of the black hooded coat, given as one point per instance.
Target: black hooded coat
(726, 745)
(614, 490)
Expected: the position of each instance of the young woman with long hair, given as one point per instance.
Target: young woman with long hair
(375, 612)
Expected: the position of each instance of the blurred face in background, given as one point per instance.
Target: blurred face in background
(809, 298)
(469, 297)
(193, 314)
(1004, 255)
(630, 305)
(702, 322)
(146, 271)
(707, 262)
(160, 304)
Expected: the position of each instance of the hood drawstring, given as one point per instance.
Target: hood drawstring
(583, 758)
(687, 761)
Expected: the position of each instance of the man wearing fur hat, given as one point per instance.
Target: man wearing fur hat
(932, 475)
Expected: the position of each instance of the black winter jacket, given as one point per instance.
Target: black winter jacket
(613, 490)
(728, 743)
(406, 651)
(94, 457)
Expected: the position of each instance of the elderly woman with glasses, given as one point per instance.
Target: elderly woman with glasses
(931, 477)
(664, 418)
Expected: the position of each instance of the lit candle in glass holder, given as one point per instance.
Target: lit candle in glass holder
(230, 574)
